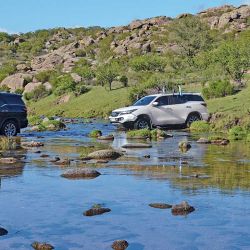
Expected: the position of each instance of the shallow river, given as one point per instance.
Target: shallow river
(39, 205)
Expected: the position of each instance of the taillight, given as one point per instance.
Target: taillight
(204, 104)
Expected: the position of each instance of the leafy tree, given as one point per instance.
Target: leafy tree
(63, 84)
(107, 73)
(191, 34)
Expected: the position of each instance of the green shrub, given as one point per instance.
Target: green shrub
(44, 76)
(19, 91)
(34, 120)
(38, 93)
(53, 125)
(64, 84)
(95, 133)
(200, 126)
(218, 89)
(7, 143)
(248, 137)
(85, 72)
(148, 63)
(237, 133)
(80, 90)
(140, 133)
(80, 53)
(4, 88)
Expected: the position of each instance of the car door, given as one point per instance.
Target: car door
(162, 113)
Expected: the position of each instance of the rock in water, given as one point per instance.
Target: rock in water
(9, 160)
(182, 209)
(3, 231)
(80, 174)
(104, 154)
(203, 141)
(160, 205)
(96, 211)
(41, 246)
(137, 145)
(106, 138)
(120, 245)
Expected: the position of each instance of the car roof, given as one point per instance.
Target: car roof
(6, 94)
(170, 94)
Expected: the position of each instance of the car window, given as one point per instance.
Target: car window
(12, 99)
(162, 101)
(144, 101)
(196, 98)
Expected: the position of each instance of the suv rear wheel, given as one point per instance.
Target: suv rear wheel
(192, 118)
(9, 128)
(142, 123)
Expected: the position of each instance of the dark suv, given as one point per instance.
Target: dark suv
(13, 114)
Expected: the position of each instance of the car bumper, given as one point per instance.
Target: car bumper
(205, 116)
(123, 119)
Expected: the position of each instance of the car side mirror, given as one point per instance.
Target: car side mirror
(155, 104)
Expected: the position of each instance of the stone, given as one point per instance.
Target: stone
(203, 141)
(80, 174)
(32, 144)
(15, 81)
(184, 145)
(48, 86)
(31, 86)
(106, 138)
(104, 154)
(222, 142)
(160, 205)
(76, 77)
(63, 162)
(9, 160)
(42, 246)
(137, 145)
(3, 231)
(102, 161)
(96, 211)
(182, 209)
(44, 156)
(120, 245)
(55, 159)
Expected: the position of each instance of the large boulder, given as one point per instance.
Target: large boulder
(81, 174)
(182, 209)
(16, 81)
(96, 211)
(120, 245)
(42, 246)
(104, 154)
(3, 231)
(31, 86)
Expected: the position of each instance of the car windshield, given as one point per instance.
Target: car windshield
(144, 101)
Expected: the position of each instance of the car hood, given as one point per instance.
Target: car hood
(126, 109)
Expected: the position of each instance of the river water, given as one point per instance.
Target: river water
(39, 205)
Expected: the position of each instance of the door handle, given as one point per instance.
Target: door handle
(188, 107)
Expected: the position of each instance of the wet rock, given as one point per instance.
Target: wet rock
(106, 138)
(120, 245)
(102, 161)
(44, 155)
(3, 231)
(137, 145)
(182, 209)
(96, 211)
(160, 205)
(80, 174)
(147, 156)
(55, 159)
(104, 154)
(41, 246)
(9, 160)
(222, 142)
(37, 152)
(184, 145)
(203, 141)
(32, 144)
(63, 162)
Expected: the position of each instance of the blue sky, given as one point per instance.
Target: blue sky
(30, 15)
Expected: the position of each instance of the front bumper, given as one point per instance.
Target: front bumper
(121, 119)
(205, 116)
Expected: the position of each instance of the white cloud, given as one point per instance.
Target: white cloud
(7, 31)
(246, 2)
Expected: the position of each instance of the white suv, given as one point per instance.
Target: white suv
(162, 110)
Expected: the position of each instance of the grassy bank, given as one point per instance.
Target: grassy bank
(98, 102)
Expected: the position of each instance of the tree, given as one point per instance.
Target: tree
(107, 73)
(234, 57)
(191, 34)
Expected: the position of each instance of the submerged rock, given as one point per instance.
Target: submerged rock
(222, 142)
(62, 162)
(137, 145)
(184, 145)
(44, 155)
(182, 209)
(203, 141)
(96, 211)
(41, 246)
(106, 138)
(56, 159)
(120, 245)
(32, 144)
(9, 160)
(80, 174)
(104, 154)
(3, 231)
(160, 205)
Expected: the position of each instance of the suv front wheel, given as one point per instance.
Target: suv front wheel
(192, 118)
(9, 128)
(142, 123)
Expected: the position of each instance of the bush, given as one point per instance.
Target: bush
(200, 126)
(80, 90)
(85, 72)
(34, 120)
(38, 93)
(236, 133)
(248, 137)
(80, 53)
(4, 88)
(7, 143)
(64, 84)
(95, 133)
(19, 91)
(220, 88)
(148, 63)
(44, 76)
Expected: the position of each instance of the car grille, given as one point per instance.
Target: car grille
(114, 114)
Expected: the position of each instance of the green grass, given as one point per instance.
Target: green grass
(98, 102)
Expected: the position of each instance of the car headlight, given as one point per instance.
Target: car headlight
(128, 112)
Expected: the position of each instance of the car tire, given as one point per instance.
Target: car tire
(9, 128)
(192, 118)
(142, 123)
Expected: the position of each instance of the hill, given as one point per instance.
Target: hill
(89, 71)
